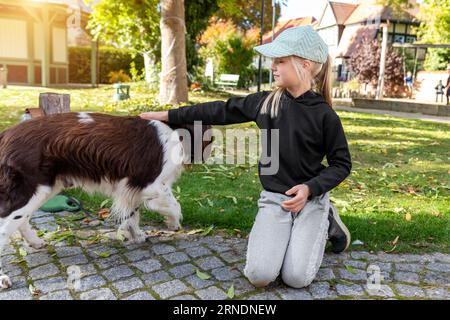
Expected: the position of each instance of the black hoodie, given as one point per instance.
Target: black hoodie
(309, 130)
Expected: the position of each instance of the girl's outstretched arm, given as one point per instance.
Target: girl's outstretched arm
(234, 110)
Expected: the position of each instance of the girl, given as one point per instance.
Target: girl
(295, 216)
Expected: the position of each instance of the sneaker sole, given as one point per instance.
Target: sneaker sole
(343, 227)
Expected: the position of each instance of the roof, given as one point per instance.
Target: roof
(367, 11)
(286, 24)
(352, 36)
(70, 3)
(342, 10)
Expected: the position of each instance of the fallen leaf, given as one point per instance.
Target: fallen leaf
(395, 240)
(34, 291)
(408, 216)
(230, 292)
(202, 275)
(103, 213)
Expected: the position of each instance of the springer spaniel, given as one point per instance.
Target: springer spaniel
(132, 160)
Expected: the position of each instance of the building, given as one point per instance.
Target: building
(344, 25)
(34, 39)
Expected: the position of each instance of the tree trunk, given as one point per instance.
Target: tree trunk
(149, 67)
(173, 85)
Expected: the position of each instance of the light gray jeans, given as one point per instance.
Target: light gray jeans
(281, 241)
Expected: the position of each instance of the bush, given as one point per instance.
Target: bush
(110, 60)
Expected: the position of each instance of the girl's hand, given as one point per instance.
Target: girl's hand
(295, 204)
(155, 115)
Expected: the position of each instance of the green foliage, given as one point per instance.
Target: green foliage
(435, 29)
(110, 60)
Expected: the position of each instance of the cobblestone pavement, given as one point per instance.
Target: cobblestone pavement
(175, 266)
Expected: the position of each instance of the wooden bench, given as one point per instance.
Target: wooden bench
(228, 80)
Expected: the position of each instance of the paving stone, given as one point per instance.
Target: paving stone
(51, 284)
(225, 273)
(231, 256)
(382, 291)
(156, 277)
(241, 286)
(356, 264)
(184, 297)
(148, 265)
(163, 249)
(197, 251)
(295, 294)
(57, 295)
(438, 293)
(411, 267)
(210, 262)
(169, 289)
(67, 251)
(128, 284)
(264, 296)
(176, 257)
(139, 254)
(325, 274)
(350, 290)
(198, 283)
(98, 294)
(109, 262)
(141, 295)
(44, 271)
(407, 277)
(183, 270)
(439, 267)
(409, 291)
(219, 248)
(211, 293)
(356, 275)
(183, 244)
(119, 272)
(90, 282)
(16, 294)
(321, 290)
(436, 279)
(73, 260)
(37, 259)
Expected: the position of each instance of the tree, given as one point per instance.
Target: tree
(435, 29)
(365, 64)
(173, 81)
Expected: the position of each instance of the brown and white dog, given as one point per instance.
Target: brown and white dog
(132, 160)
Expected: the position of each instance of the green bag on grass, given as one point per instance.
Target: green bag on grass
(61, 202)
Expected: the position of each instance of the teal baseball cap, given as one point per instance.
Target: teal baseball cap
(302, 41)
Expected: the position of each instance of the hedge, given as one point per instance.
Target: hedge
(110, 59)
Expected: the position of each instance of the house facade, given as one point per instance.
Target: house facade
(344, 25)
(34, 40)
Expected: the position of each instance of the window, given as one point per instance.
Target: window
(399, 38)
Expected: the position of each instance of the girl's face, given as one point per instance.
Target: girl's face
(284, 73)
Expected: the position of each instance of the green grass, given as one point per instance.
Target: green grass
(400, 168)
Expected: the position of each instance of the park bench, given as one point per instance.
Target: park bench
(228, 80)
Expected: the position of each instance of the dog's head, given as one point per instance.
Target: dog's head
(196, 139)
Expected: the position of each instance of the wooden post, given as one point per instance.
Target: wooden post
(380, 86)
(52, 103)
(45, 63)
(94, 64)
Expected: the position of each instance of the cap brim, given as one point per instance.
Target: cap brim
(272, 50)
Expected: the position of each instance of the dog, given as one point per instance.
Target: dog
(132, 160)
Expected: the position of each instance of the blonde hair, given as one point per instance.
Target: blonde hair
(320, 79)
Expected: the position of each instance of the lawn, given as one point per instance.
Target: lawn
(396, 199)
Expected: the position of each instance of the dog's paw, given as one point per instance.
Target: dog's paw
(5, 282)
(139, 237)
(173, 225)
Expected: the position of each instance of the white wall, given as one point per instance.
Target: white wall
(13, 39)
(59, 38)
